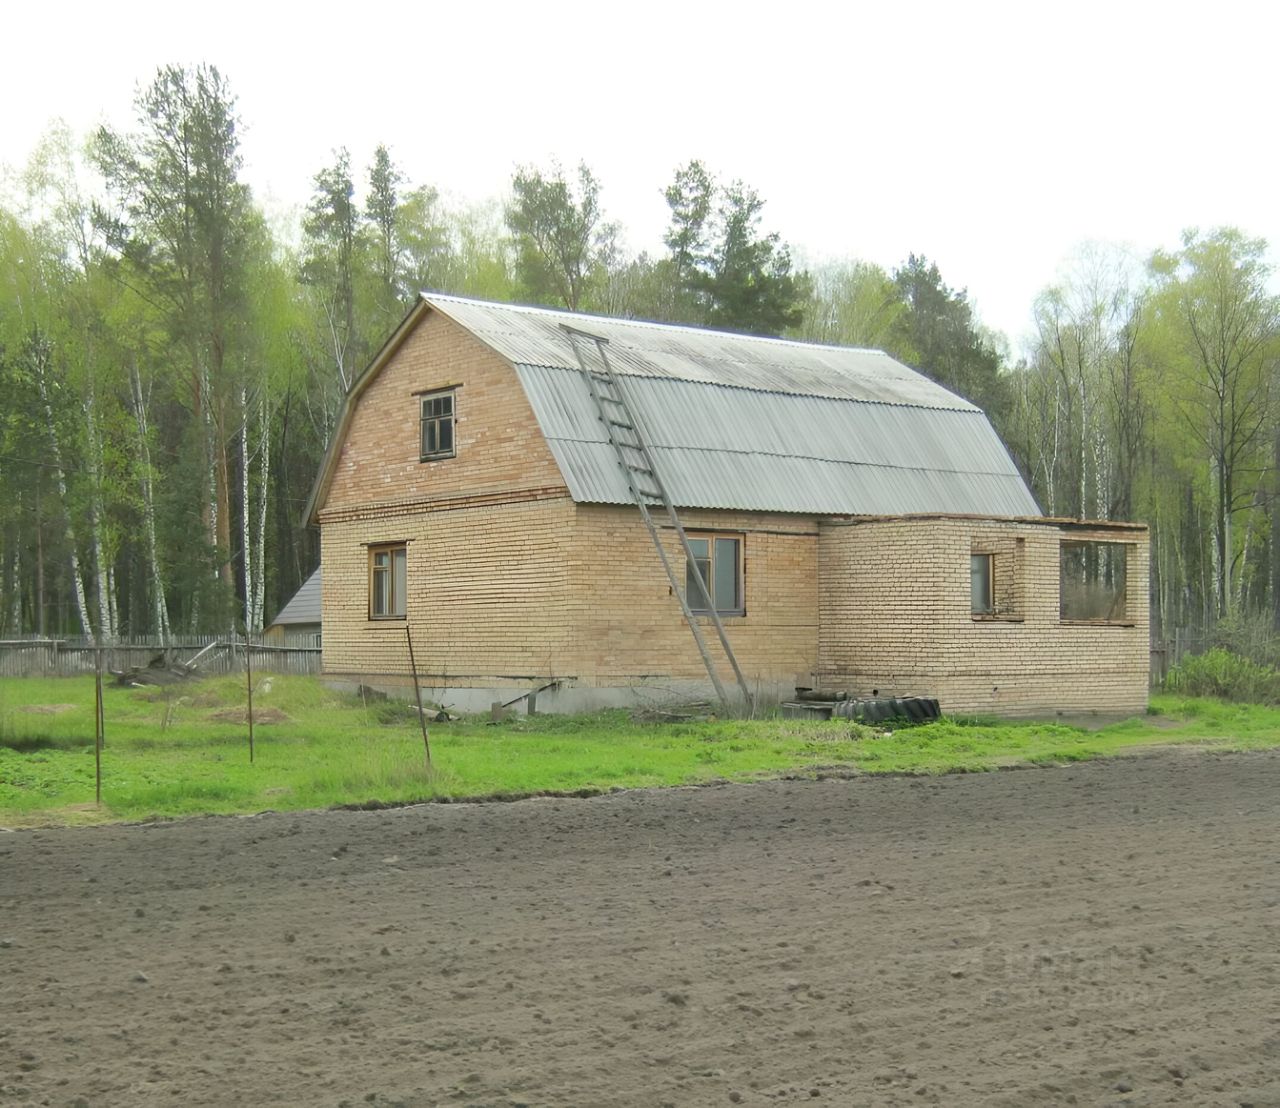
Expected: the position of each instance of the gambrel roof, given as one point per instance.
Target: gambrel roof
(741, 422)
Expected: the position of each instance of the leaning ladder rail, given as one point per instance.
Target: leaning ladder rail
(641, 473)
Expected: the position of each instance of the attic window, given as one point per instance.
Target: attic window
(437, 418)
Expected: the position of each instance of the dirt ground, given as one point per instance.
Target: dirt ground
(1105, 933)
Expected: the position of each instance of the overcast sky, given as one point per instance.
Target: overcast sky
(992, 137)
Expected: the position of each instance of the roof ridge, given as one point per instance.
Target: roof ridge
(648, 324)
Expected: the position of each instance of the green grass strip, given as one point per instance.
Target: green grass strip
(183, 750)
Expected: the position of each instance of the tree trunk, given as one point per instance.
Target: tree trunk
(264, 474)
(39, 361)
(159, 609)
(12, 622)
(1275, 530)
(39, 598)
(101, 570)
(246, 545)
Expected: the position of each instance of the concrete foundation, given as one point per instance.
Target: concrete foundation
(566, 697)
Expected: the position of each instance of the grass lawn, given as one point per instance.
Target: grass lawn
(183, 750)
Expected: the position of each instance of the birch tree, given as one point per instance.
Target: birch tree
(1223, 324)
(181, 222)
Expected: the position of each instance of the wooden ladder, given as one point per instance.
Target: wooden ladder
(641, 473)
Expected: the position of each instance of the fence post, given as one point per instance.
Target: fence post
(417, 694)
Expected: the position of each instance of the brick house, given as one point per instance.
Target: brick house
(857, 525)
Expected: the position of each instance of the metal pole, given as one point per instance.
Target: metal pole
(417, 694)
(98, 736)
(248, 676)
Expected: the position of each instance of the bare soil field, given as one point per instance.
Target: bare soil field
(1105, 933)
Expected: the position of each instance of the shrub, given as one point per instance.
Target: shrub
(1251, 635)
(1225, 675)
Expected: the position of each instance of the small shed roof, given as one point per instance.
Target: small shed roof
(304, 606)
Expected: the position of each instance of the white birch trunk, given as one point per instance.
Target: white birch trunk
(115, 606)
(160, 610)
(246, 545)
(264, 473)
(210, 461)
(102, 586)
(13, 588)
(82, 603)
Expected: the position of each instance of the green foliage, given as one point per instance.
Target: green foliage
(562, 243)
(1225, 675)
(746, 280)
(937, 334)
(382, 209)
(1221, 326)
(725, 273)
(854, 304)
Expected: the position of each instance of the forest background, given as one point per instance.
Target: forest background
(172, 364)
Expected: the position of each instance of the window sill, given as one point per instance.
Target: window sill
(723, 615)
(1063, 622)
(437, 457)
(984, 617)
(385, 621)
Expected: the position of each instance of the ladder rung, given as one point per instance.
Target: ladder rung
(649, 494)
(639, 469)
(625, 426)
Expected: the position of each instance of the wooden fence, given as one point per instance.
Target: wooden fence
(213, 655)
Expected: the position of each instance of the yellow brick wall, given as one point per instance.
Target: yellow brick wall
(894, 614)
(499, 445)
(506, 593)
(487, 591)
(626, 625)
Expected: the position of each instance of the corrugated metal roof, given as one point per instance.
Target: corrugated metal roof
(533, 336)
(724, 447)
(304, 606)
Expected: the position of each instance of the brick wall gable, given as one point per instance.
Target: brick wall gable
(500, 448)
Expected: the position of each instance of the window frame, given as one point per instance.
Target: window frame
(1120, 589)
(390, 548)
(740, 573)
(990, 610)
(425, 398)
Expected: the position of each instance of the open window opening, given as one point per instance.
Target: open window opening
(1093, 581)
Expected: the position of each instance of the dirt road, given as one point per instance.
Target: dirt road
(1100, 934)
